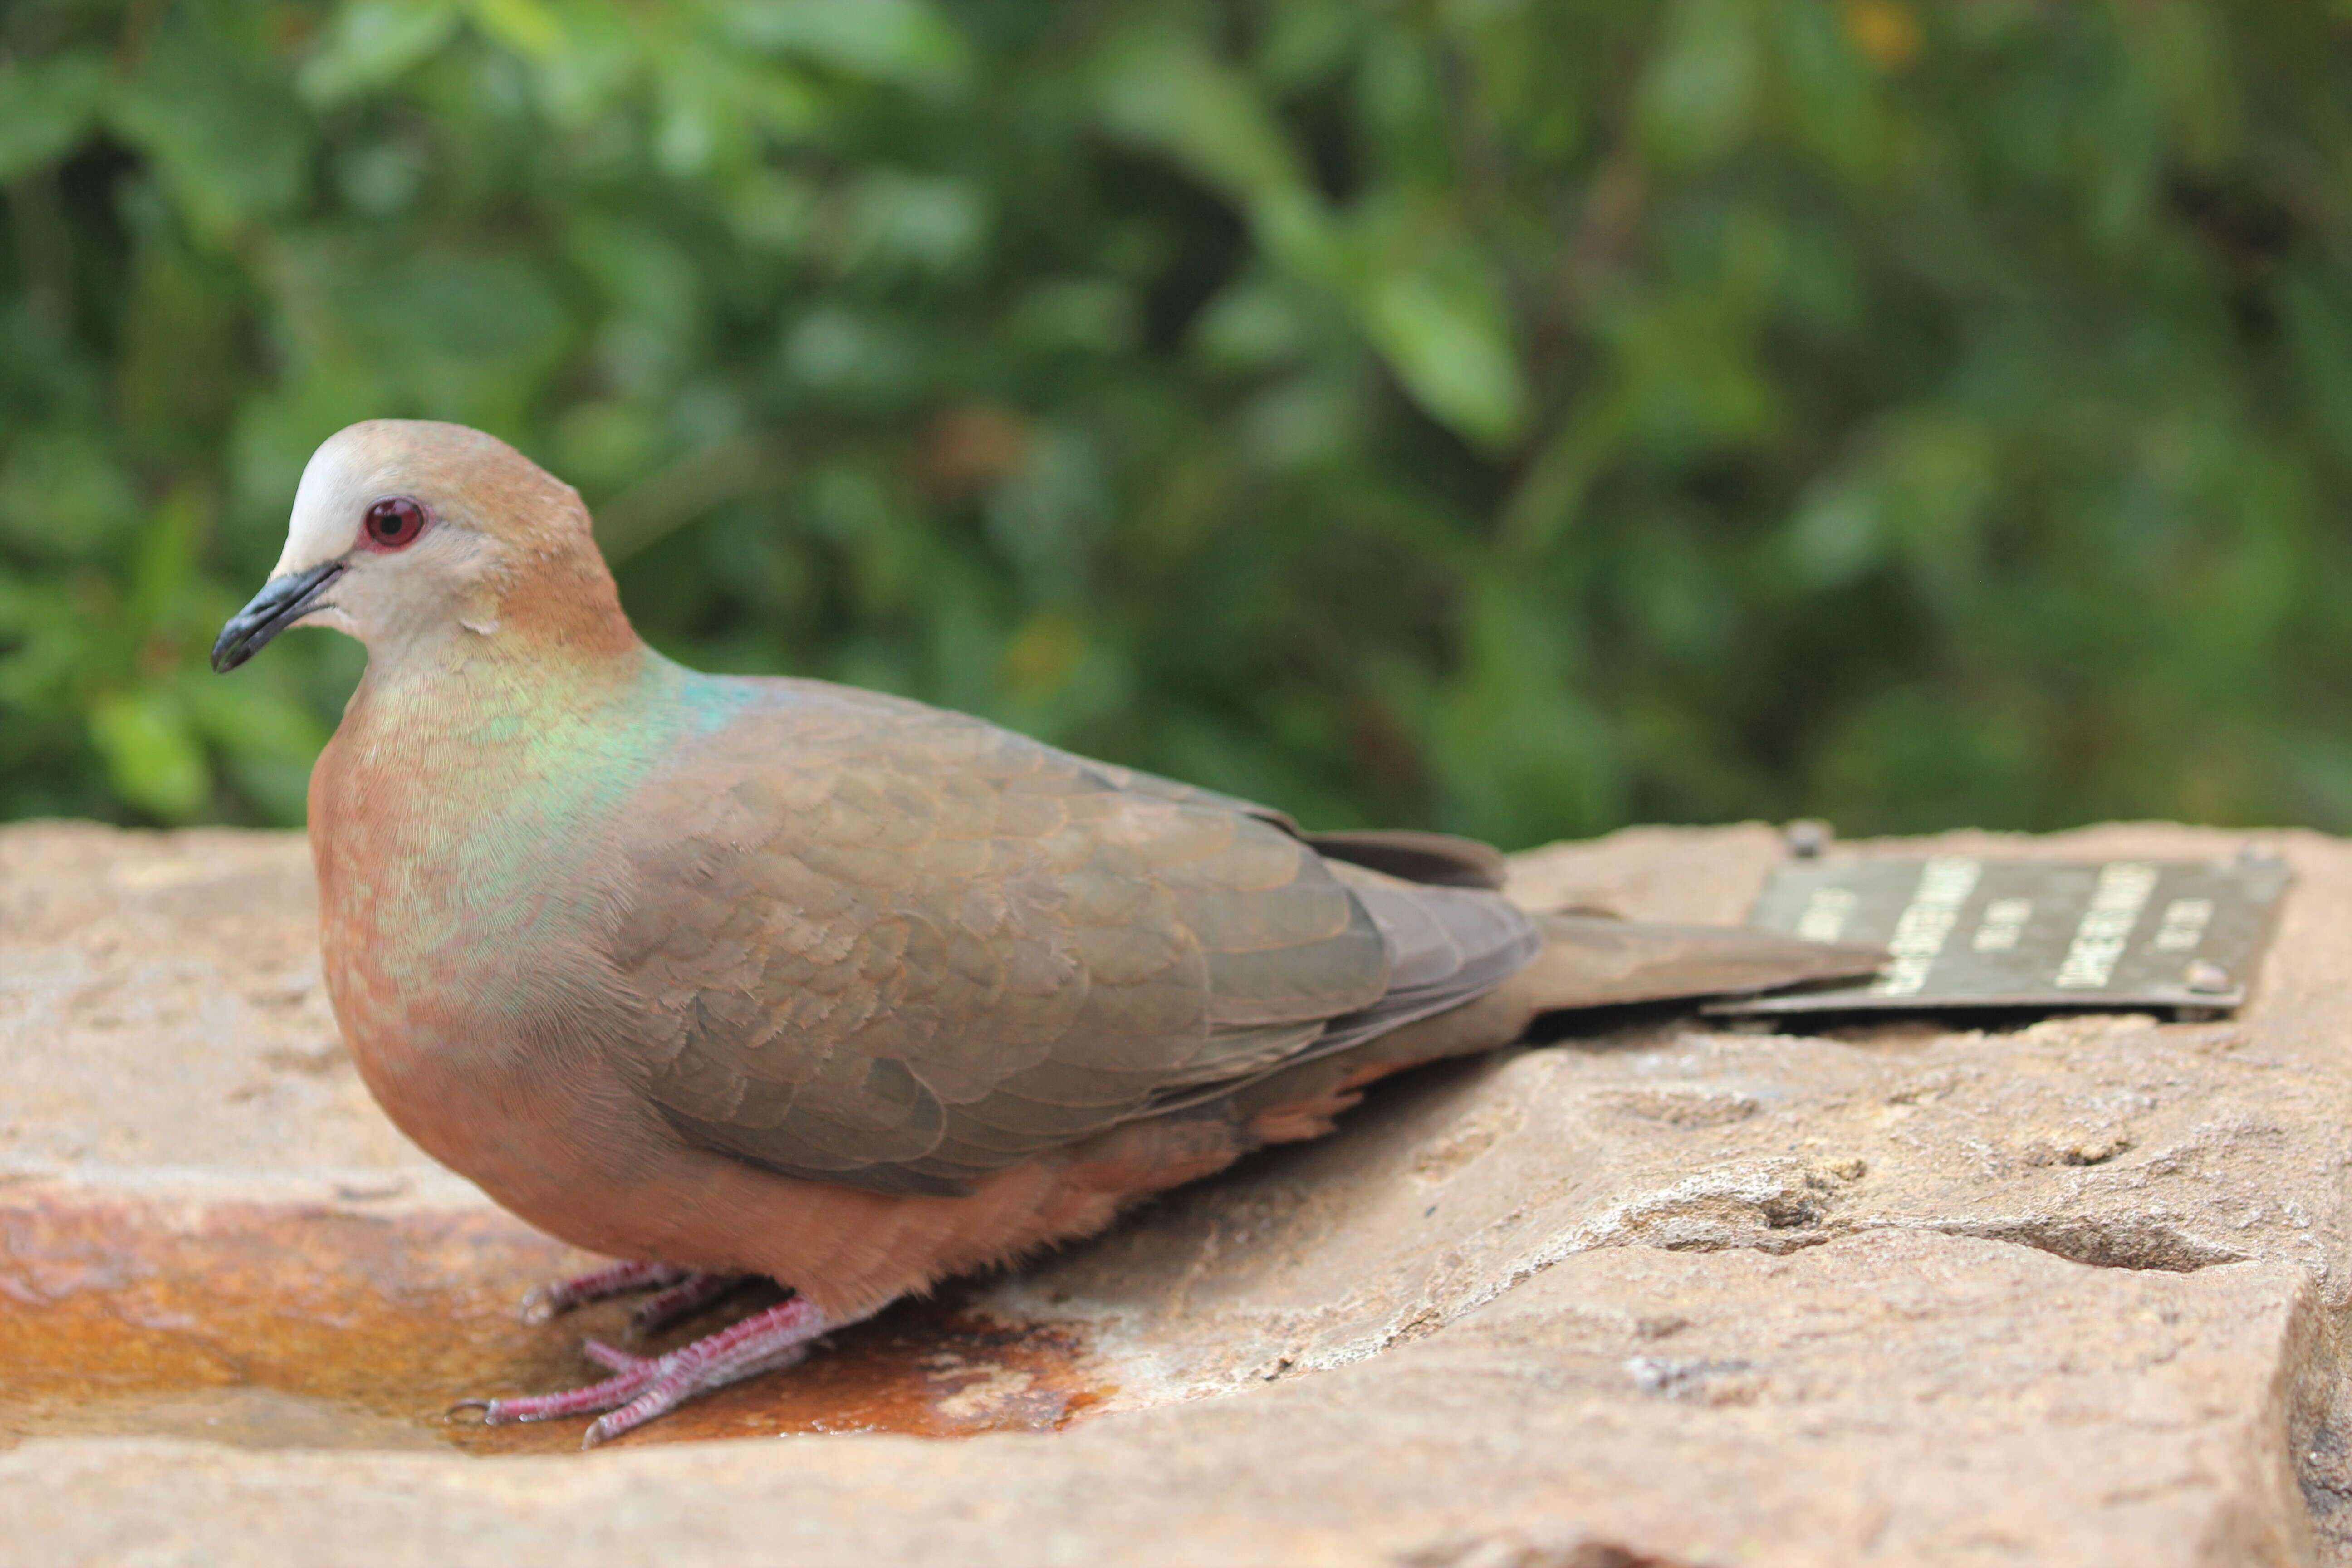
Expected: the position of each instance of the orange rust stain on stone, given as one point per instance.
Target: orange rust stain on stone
(328, 1327)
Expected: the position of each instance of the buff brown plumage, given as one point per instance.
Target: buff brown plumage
(727, 976)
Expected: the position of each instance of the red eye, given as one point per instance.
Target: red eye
(393, 523)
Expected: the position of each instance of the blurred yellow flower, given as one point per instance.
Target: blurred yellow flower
(1885, 31)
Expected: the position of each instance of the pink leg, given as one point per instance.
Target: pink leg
(682, 1301)
(645, 1386)
(560, 1296)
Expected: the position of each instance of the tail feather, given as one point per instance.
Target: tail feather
(1593, 961)
(1586, 961)
(1437, 859)
(1448, 945)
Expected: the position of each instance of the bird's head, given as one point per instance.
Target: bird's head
(416, 537)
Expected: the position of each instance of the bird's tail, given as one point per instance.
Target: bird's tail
(1585, 960)
(1595, 961)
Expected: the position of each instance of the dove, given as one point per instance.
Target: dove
(727, 977)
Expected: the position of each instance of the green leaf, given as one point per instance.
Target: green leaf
(854, 355)
(1700, 94)
(46, 106)
(2319, 334)
(2182, 50)
(1162, 90)
(46, 648)
(1092, 314)
(151, 750)
(897, 221)
(771, 212)
(1523, 757)
(1837, 535)
(266, 738)
(1255, 324)
(223, 128)
(64, 494)
(1920, 485)
(902, 41)
(587, 76)
(526, 27)
(163, 571)
(1442, 332)
(372, 44)
(470, 308)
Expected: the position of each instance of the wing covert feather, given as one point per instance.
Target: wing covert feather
(885, 945)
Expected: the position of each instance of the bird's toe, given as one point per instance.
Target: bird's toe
(613, 1359)
(682, 1301)
(557, 1297)
(643, 1388)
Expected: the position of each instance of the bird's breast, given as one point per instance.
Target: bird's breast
(458, 909)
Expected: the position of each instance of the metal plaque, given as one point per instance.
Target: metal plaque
(1966, 931)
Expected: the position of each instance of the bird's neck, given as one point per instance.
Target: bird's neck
(446, 788)
(461, 820)
(489, 715)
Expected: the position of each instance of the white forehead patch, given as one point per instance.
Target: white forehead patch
(345, 476)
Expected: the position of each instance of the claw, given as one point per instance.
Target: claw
(666, 1394)
(643, 1388)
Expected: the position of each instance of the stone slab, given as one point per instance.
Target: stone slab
(1658, 1293)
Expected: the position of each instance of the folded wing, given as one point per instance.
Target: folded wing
(877, 944)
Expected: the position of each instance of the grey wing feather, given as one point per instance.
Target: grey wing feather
(1434, 858)
(1448, 945)
(883, 946)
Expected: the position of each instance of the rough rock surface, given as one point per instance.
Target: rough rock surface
(1656, 1293)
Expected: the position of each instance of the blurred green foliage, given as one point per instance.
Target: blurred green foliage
(1516, 415)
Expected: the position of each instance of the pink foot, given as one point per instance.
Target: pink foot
(682, 1301)
(559, 1296)
(643, 1388)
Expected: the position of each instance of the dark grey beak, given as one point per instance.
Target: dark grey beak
(276, 607)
